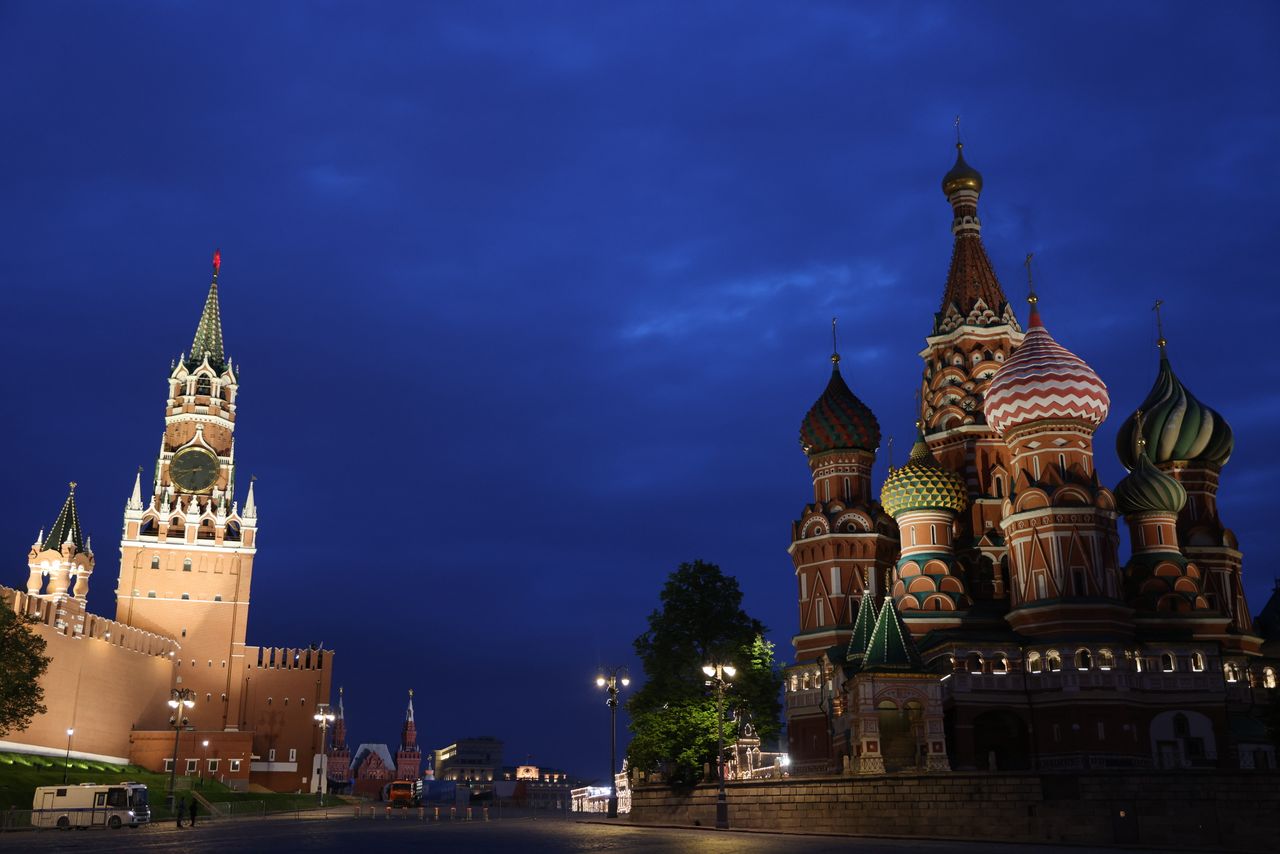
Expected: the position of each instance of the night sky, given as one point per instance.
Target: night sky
(529, 299)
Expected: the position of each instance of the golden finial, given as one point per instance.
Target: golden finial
(835, 349)
(1031, 285)
(410, 693)
(72, 484)
(1160, 342)
(1142, 438)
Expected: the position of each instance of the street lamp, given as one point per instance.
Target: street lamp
(66, 766)
(716, 675)
(323, 717)
(204, 760)
(610, 679)
(180, 701)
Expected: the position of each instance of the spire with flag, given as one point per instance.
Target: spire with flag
(208, 340)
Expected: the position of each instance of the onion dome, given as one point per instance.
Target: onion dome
(839, 420)
(1174, 426)
(1044, 381)
(962, 176)
(1146, 489)
(923, 484)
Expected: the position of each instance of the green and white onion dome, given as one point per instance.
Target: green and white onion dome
(1146, 489)
(1175, 426)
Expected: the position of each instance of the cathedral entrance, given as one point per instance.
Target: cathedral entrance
(1000, 742)
(900, 734)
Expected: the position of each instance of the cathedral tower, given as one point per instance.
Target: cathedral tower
(1059, 521)
(974, 332)
(186, 554)
(339, 754)
(844, 543)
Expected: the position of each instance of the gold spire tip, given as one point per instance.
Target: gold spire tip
(1031, 284)
(835, 348)
(1160, 340)
(72, 484)
(959, 144)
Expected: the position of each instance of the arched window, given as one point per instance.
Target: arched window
(1054, 660)
(1232, 671)
(1197, 662)
(1268, 677)
(1106, 660)
(1000, 665)
(1033, 662)
(1084, 661)
(1167, 662)
(155, 561)
(974, 663)
(186, 565)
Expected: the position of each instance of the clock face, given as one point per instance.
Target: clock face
(194, 469)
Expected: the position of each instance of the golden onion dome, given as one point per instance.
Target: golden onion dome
(923, 484)
(962, 176)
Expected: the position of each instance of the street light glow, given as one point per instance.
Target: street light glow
(729, 670)
(709, 669)
(70, 731)
(599, 681)
(626, 681)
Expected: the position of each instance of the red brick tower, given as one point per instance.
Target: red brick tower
(408, 757)
(339, 753)
(974, 332)
(1059, 521)
(843, 543)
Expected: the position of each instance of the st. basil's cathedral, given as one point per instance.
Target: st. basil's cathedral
(978, 615)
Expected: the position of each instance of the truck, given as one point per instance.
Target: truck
(91, 805)
(404, 793)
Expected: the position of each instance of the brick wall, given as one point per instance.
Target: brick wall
(1207, 809)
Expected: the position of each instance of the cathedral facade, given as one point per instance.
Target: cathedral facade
(243, 713)
(977, 616)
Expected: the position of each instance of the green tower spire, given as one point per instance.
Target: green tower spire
(67, 526)
(891, 647)
(208, 340)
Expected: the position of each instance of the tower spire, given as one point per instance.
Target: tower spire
(66, 529)
(135, 500)
(835, 348)
(208, 340)
(1032, 299)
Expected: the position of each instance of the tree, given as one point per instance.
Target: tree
(22, 663)
(673, 717)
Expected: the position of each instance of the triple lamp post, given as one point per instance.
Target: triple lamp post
(323, 717)
(611, 678)
(716, 675)
(181, 700)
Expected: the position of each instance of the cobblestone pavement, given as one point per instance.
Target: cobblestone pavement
(513, 836)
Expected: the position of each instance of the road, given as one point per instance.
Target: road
(513, 836)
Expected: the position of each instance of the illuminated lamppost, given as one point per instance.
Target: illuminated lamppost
(716, 674)
(66, 766)
(180, 700)
(611, 679)
(204, 760)
(323, 717)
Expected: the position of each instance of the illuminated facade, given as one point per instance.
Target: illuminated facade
(182, 600)
(1025, 642)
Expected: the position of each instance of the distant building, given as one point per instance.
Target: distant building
(373, 768)
(471, 760)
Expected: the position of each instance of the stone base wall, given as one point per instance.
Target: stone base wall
(1238, 811)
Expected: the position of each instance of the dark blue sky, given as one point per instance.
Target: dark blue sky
(530, 299)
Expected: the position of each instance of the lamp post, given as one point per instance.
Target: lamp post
(180, 700)
(610, 679)
(716, 674)
(323, 717)
(66, 766)
(204, 760)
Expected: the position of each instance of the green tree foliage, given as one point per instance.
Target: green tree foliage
(22, 663)
(673, 717)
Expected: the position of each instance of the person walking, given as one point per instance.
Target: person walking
(182, 807)
(193, 811)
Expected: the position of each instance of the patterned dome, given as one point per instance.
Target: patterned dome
(922, 484)
(1043, 381)
(1147, 489)
(839, 420)
(962, 175)
(1175, 426)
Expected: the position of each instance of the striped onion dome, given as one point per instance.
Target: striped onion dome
(1175, 426)
(839, 420)
(1044, 381)
(1147, 489)
(922, 484)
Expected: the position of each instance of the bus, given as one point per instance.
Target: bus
(90, 805)
(404, 793)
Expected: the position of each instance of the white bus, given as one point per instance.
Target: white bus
(90, 805)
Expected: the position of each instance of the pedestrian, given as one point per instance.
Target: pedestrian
(193, 811)
(182, 807)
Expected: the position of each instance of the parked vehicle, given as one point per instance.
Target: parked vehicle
(90, 805)
(404, 793)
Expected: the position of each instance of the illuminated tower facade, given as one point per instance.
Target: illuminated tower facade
(186, 553)
(339, 753)
(408, 757)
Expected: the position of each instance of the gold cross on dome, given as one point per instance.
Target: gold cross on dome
(1160, 342)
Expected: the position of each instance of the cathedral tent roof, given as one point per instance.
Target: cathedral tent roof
(863, 625)
(891, 648)
(208, 340)
(67, 525)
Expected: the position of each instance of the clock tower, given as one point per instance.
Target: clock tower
(186, 554)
